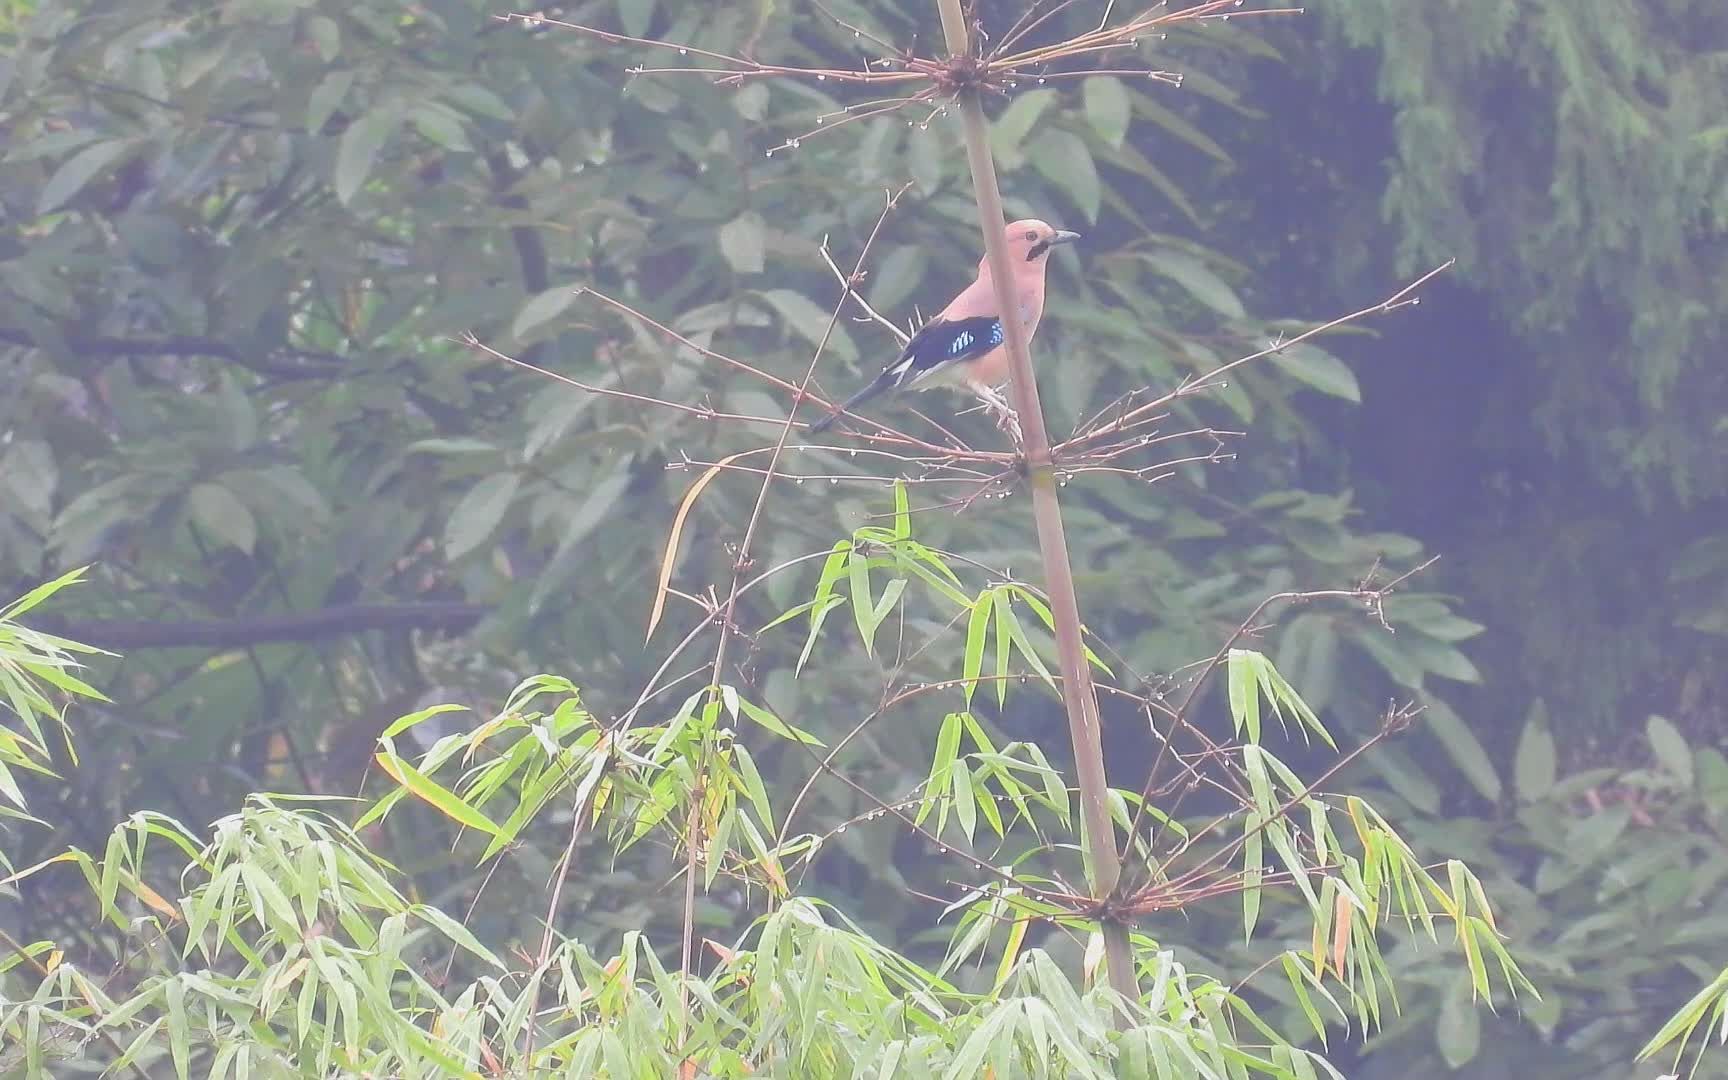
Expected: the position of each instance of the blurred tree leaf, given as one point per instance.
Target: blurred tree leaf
(479, 513)
(741, 241)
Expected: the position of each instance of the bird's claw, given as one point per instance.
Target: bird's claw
(998, 407)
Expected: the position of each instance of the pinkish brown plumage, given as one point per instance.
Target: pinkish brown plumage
(963, 344)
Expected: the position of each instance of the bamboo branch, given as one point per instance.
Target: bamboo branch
(1098, 837)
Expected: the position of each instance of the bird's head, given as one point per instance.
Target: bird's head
(1030, 241)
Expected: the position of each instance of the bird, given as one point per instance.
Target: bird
(963, 344)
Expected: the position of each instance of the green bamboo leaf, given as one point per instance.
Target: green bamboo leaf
(863, 604)
(1259, 784)
(965, 803)
(109, 883)
(42, 592)
(307, 882)
(976, 626)
(1244, 685)
(1298, 975)
(987, 804)
(434, 793)
(1017, 634)
(1037, 604)
(786, 616)
(818, 614)
(179, 1031)
(1682, 1024)
(750, 781)
(891, 594)
(1284, 697)
(833, 569)
(1252, 862)
(402, 724)
(64, 680)
(1055, 790)
(1278, 834)
(714, 857)
(941, 765)
(765, 719)
(267, 896)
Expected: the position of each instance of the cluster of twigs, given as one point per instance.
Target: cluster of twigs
(912, 81)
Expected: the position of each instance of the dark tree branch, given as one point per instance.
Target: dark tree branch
(314, 363)
(122, 634)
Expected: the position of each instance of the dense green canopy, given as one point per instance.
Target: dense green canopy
(246, 239)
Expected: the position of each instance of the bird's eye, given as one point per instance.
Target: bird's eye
(1032, 236)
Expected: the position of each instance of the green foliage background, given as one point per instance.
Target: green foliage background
(242, 238)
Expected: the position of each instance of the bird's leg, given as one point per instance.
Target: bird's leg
(999, 407)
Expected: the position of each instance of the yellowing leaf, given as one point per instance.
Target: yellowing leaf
(432, 792)
(154, 899)
(677, 531)
(1341, 912)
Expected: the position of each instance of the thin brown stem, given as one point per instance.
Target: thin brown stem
(1103, 866)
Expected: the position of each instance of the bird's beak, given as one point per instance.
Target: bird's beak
(1063, 236)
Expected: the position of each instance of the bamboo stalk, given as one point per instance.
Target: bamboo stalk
(1098, 835)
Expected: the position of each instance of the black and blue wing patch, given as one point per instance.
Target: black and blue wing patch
(941, 342)
(938, 344)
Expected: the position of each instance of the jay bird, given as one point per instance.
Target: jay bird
(963, 344)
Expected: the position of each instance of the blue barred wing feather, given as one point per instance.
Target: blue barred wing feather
(937, 346)
(940, 343)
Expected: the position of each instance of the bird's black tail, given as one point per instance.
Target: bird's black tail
(881, 383)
